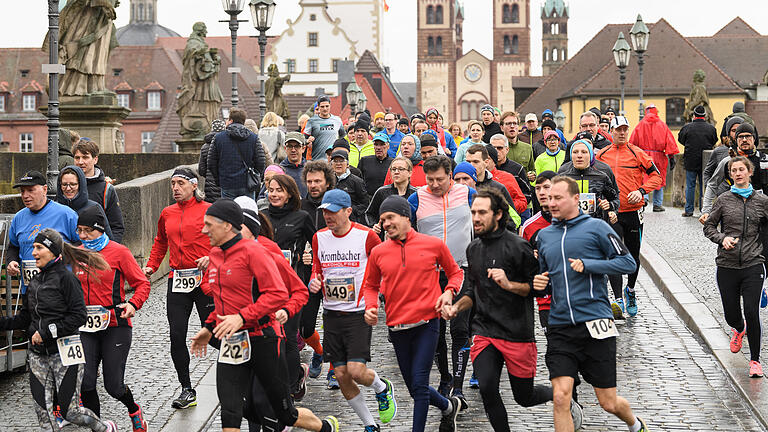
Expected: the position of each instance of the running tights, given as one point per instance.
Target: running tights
(746, 284)
(295, 371)
(487, 366)
(179, 307)
(110, 348)
(308, 318)
(630, 230)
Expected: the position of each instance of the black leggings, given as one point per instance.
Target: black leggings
(308, 319)
(459, 345)
(110, 348)
(179, 308)
(234, 383)
(630, 230)
(295, 371)
(747, 283)
(487, 367)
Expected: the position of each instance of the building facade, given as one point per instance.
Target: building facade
(554, 35)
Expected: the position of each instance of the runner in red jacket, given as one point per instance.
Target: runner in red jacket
(106, 336)
(413, 297)
(247, 291)
(179, 232)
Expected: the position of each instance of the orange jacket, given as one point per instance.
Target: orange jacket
(629, 164)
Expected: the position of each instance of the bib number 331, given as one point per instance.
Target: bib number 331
(235, 349)
(602, 328)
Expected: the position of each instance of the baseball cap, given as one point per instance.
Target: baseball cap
(619, 121)
(31, 178)
(531, 117)
(335, 200)
(295, 136)
(381, 136)
(339, 153)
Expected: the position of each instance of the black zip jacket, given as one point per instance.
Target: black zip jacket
(211, 189)
(374, 171)
(372, 214)
(592, 180)
(54, 299)
(355, 187)
(311, 206)
(742, 219)
(521, 177)
(293, 230)
(499, 313)
(696, 137)
(105, 195)
(491, 130)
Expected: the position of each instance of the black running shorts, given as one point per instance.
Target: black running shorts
(572, 350)
(346, 337)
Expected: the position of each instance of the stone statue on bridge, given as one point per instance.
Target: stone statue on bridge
(698, 97)
(199, 101)
(273, 92)
(86, 39)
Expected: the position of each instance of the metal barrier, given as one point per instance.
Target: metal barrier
(13, 354)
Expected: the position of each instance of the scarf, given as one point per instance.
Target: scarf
(555, 153)
(97, 244)
(744, 193)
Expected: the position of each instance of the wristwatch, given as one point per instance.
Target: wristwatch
(642, 191)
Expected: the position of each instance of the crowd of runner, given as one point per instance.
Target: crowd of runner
(468, 235)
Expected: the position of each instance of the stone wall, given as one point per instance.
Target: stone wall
(121, 167)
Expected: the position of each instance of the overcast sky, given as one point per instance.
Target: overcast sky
(689, 17)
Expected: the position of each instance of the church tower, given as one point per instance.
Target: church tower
(554, 37)
(511, 48)
(438, 45)
(143, 12)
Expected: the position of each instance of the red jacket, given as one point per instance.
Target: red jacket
(654, 137)
(108, 289)
(410, 286)
(243, 281)
(179, 230)
(508, 180)
(418, 178)
(297, 290)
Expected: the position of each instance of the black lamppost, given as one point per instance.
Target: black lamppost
(233, 9)
(362, 101)
(621, 51)
(639, 36)
(262, 12)
(53, 69)
(353, 95)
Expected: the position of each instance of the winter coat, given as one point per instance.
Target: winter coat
(592, 180)
(211, 187)
(696, 137)
(355, 187)
(225, 162)
(738, 218)
(654, 137)
(81, 202)
(491, 130)
(374, 171)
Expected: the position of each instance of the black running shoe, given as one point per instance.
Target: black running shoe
(187, 398)
(448, 422)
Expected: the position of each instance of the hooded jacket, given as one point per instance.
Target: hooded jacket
(490, 130)
(581, 297)
(211, 188)
(739, 218)
(721, 182)
(654, 137)
(225, 162)
(633, 169)
(105, 195)
(54, 300)
(592, 180)
(498, 313)
(81, 202)
(696, 137)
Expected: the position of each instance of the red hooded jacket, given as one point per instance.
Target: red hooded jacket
(654, 137)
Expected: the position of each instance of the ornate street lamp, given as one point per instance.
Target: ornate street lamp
(353, 95)
(233, 9)
(639, 36)
(262, 12)
(362, 101)
(560, 118)
(621, 52)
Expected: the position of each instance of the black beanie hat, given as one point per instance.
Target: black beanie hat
(395, 204)
(93, 217)
(549, 123)
(492, 153)
(428, 140)
(227, 210)
(340, 143)
(745, 128)
(251, 220)
(362, 124)
(403, 121)
(700, 111)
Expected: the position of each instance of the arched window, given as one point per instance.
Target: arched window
(430, 14)
(438, 14)
(149, 12)
(515, 13)
(563, 55)
(515, 45)
(141, 12)
(465, 111)
(554, 54)
(564, 28)
(439, 46)
(430, 46)
(546, 54)
(675, 110)
(557, 29)
(507, 45)
(506, 14)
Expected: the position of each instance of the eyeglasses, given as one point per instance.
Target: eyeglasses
(745, 137)
(339, 161)
(510, 124)
(386, 119)
(86, 230)
(396, 169)
(293, 147)
(69, 185)
(585, 125)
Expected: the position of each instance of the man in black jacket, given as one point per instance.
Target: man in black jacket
(86, 153)
(696, 137)
(351, 184)
(231, 151)
(498, 284)
(376, 166)
(490, 125)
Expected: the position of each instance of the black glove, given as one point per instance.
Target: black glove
(672, 162)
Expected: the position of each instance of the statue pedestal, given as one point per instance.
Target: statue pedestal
(97, 117)
(189, 145)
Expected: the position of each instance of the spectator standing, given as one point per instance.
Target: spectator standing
(211, 189)
(695, 137)
(653, 136)
(271, 137)
(86, 154)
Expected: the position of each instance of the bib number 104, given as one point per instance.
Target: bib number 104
(602, 328)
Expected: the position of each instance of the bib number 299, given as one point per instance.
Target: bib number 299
(186, 280)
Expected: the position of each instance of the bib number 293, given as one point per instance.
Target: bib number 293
(602, 328)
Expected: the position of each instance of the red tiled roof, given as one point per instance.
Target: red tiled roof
(737, 27)
(123, 86)
(32, 87)
(154, 85)
(4, 87)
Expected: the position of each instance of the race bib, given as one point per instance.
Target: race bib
(340, 289)
(287, 255)
(588, 202)
(186, 280)
(98, 319)
(71, 350)
(235, 349)
(602, 328)
(28, 270)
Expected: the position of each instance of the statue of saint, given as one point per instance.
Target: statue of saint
(698, 97)
(273, 92)
(199, 101)
(86, 39)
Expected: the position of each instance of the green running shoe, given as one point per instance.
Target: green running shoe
(387, 403)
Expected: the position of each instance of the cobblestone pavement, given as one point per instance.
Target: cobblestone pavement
(150, 375)
(682, 243)
(663, 371)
